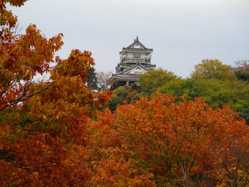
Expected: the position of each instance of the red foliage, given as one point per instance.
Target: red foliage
(186, 143)
(58, 133)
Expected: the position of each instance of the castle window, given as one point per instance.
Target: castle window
(137, 56)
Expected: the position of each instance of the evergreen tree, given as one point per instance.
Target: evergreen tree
(92, 81)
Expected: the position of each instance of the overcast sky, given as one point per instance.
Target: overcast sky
(181, 32)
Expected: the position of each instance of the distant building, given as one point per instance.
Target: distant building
(134, 61)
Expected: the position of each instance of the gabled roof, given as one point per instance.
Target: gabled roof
(136, 45)
(137, 69)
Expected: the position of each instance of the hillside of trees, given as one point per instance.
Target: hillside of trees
(217, 83)
(169, 131)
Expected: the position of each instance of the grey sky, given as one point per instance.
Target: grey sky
(181, 32)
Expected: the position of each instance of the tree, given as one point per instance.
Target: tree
(61, 133)
(43, 132)
(22, 57)
(177, 143)
(123, 95)
(153, 79)
(53, 123)
(213, 69)
(92, 81)
(242, 71)
(215, 92)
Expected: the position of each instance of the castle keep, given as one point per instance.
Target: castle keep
(134, 61)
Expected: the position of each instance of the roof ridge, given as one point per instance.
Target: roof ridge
(136, 41)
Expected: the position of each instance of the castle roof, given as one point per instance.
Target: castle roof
(137, 44)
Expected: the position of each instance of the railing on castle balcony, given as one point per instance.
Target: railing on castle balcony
(133, 60)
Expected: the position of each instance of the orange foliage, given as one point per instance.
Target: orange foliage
(21, 58)
(186, 143)
(43, 125)
(59, 133)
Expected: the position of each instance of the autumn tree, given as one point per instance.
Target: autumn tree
(53, 123)
(42, 125)
(60, 133)
(172, 143)
(21, 57)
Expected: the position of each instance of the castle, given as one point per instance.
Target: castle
(134, 61)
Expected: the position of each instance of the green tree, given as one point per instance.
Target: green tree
(92, 81)
(216, 92)
(154, 79)
(242, 71)
(178, 87)
(123, 95)
(213, 69)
